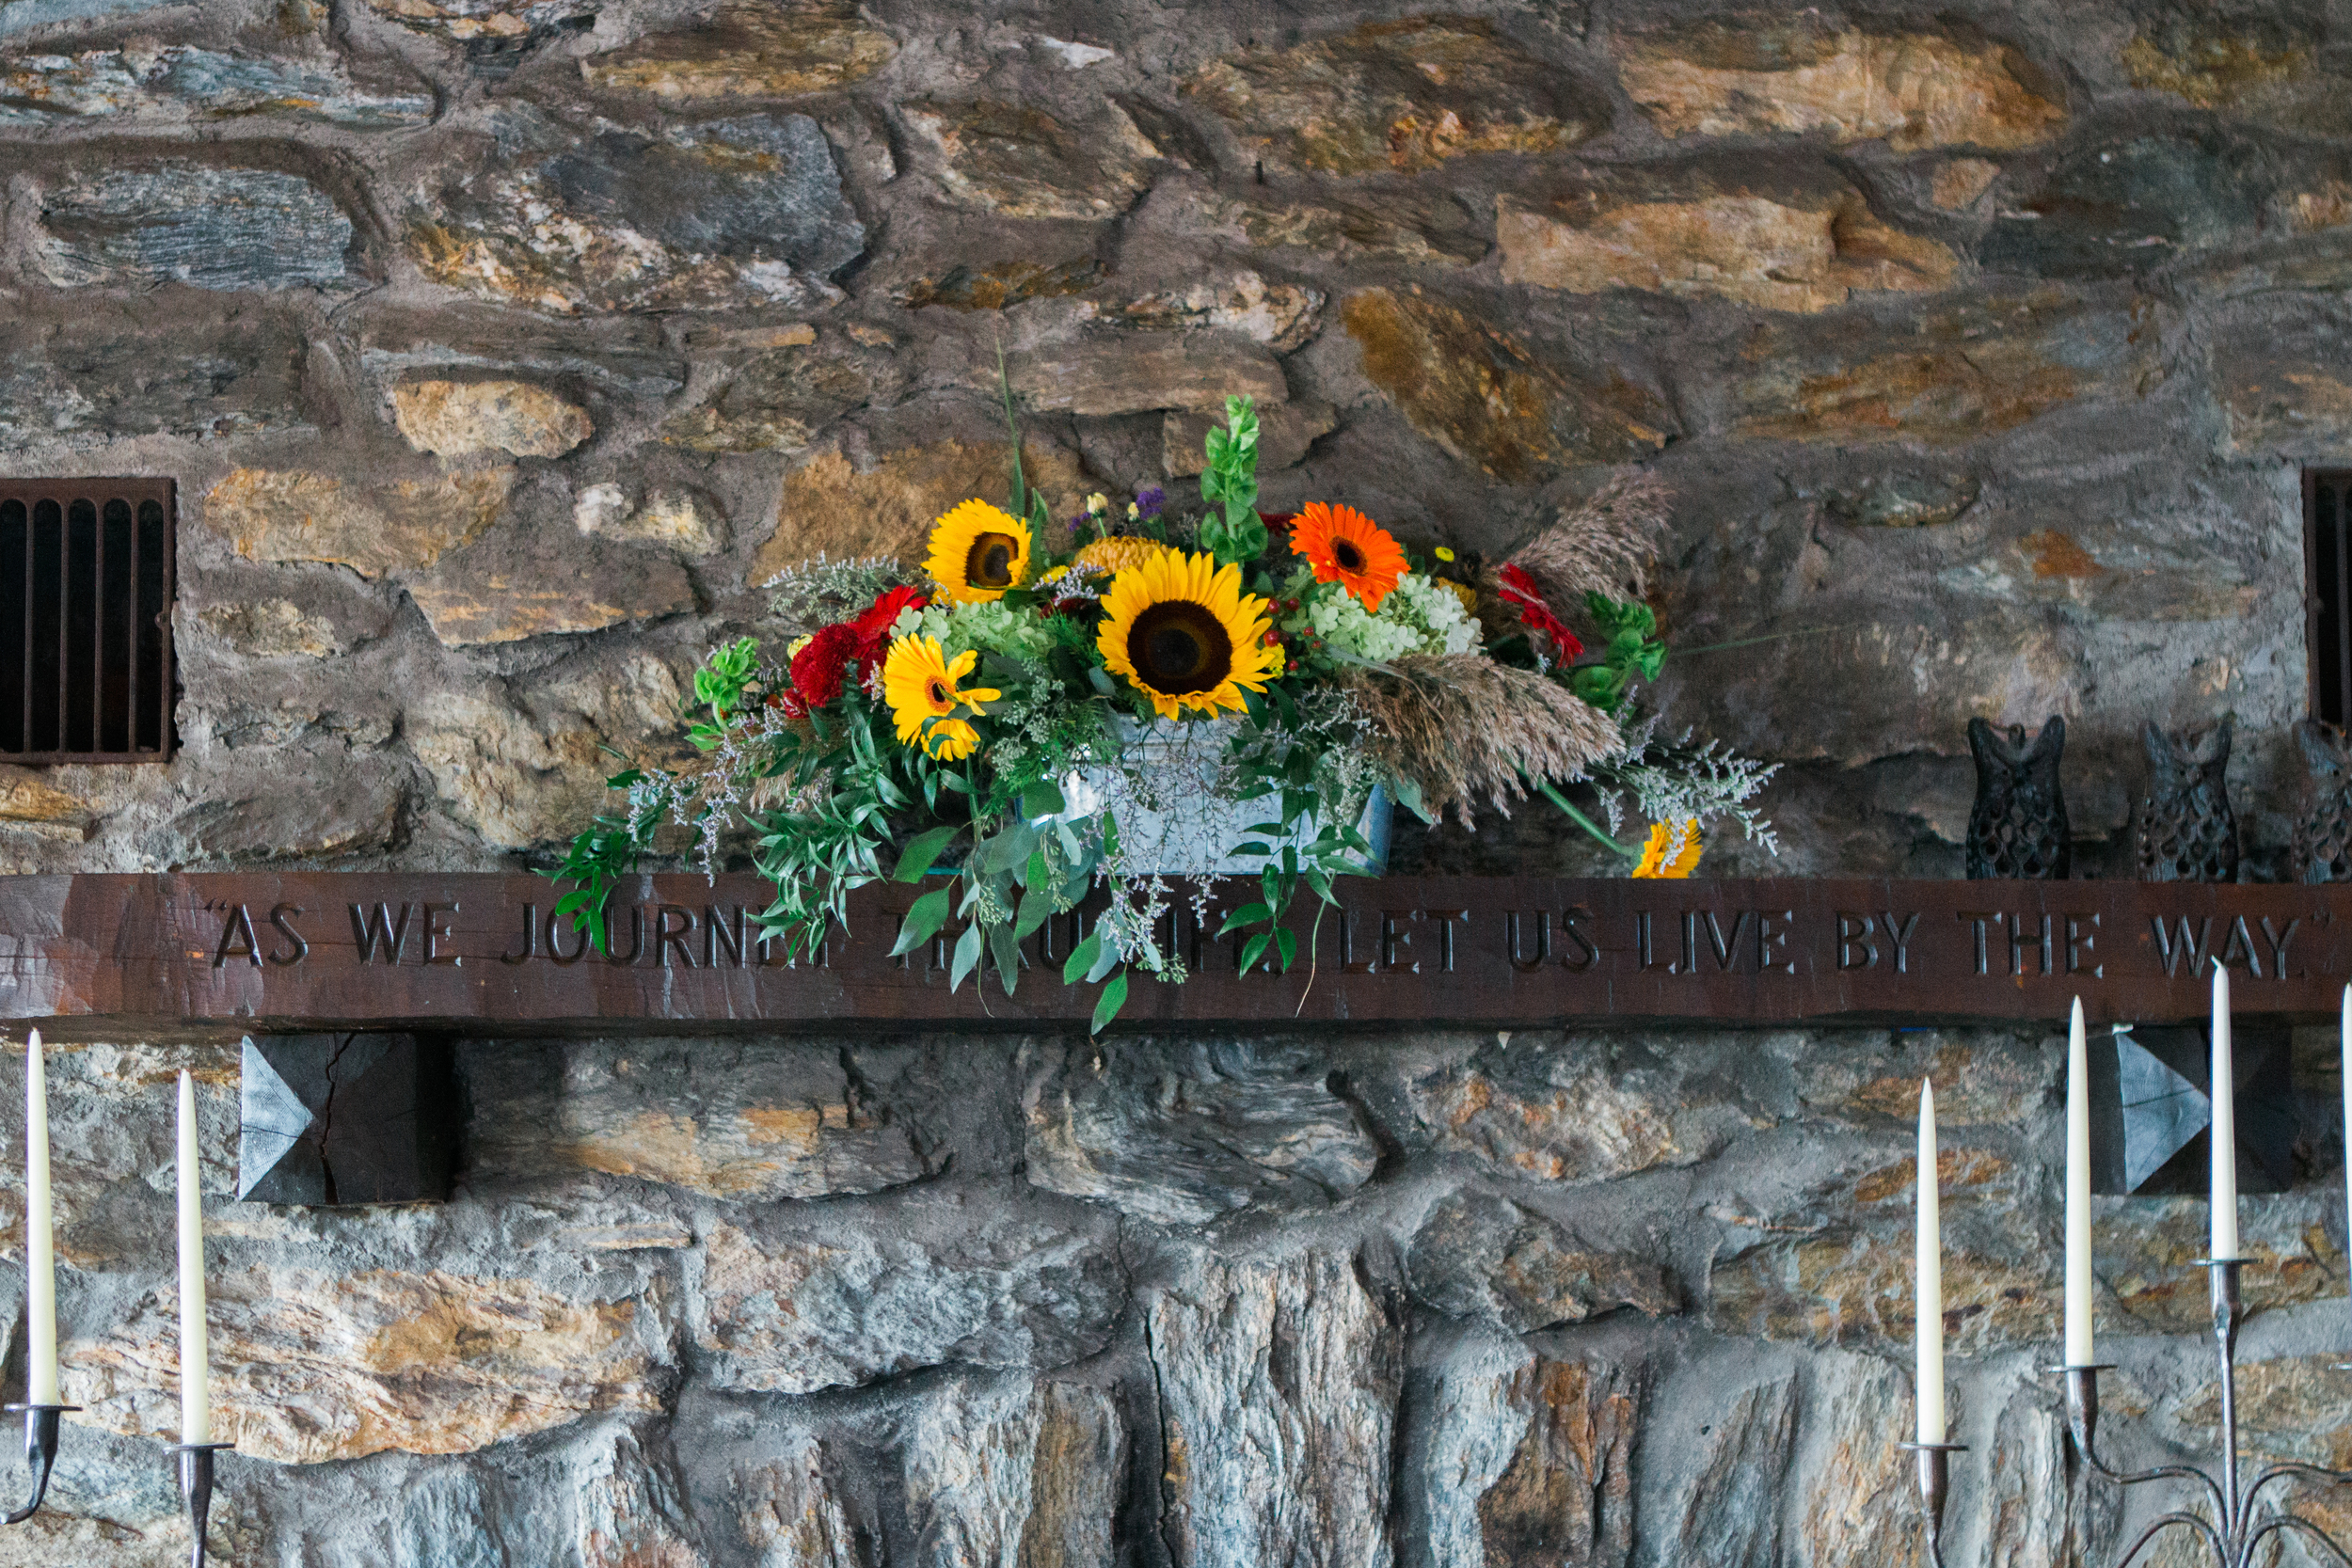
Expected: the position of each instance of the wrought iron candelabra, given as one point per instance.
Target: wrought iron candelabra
(2241, 1518)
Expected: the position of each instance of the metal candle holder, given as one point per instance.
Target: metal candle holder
(40, 1451)
(1936, 1461)
(196, 1490)
(2234, 1533)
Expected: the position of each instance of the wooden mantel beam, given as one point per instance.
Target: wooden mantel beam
(474, 954)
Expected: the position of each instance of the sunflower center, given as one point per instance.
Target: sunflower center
(989, 563)
(935, 691)
(1348, 556)
(1179, 648)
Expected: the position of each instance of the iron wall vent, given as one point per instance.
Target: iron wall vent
(87, 579)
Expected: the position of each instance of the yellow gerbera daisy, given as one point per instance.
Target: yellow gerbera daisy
(978, 552)
(1179, 627)
(1672, 849)
(920, 686)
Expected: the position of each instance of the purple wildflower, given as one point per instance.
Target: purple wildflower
(1148, 503)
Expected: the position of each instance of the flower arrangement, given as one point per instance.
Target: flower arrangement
(1031, 722)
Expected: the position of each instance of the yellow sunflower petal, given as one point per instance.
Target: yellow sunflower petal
(1672, 852)
(913, 674)
(1179, 628)
(978, 552)
(951, 740)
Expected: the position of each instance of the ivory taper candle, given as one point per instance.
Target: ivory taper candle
(2224, 1123)
(40, 1242)
(1927, 1326)
(2077, 1192)
(196, 1395)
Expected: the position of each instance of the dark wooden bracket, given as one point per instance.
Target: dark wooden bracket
(347, 1118)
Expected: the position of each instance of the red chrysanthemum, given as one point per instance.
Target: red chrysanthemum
(1520, 592)
(818, 668)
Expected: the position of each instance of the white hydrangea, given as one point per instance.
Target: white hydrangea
(1418, 616)
(992, 627)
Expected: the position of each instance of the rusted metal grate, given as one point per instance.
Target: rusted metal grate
(87, 578)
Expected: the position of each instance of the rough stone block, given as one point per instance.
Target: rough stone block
(459, 419)
(1807, 245)
(837, 1299)
(831, 507)
(1493, 401)
(1278, 1393)
(745, 1122)
(179, 83)
(2125, 207)
(150, 223)
(1950, 375)
(313, 1364)
(1396, 95)
(1140, 373)
(714, 215)
(227, 370)
(1182, 1135)
(1525, 1460)
(1481, 1256)
(747, 52)
(1755, 75)
(504, 590)
(399, 526)
(1022, 162)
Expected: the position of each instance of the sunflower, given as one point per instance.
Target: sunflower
(1672, 849)
(920, 686)
(1179, 627)
(1343, 546)
(978, 552)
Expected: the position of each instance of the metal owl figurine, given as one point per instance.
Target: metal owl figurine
(2018, 828)
(2187, 832)
(2323, 823)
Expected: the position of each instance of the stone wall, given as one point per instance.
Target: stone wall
(502, 348)
(1599, 1300)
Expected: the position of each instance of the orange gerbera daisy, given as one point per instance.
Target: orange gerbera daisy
(1343, 546)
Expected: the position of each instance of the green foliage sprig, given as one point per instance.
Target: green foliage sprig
(1231, 481)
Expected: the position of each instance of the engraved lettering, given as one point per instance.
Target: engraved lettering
(1570, 928)
(2080, 941)
(2241, 941)
(1765, 939)
(238, 927)
(613, 955)
(434, 935)
(1688, 962)
(1647, 959)
(584, 930)
(529, 937)
(666, 936)
(2279, 941)
(282, 917)
(1446, 920)
(1853, 932)
(1726, 949)
(716, 935)
(1978, 918)
(1391, 939)
(2021, 938)
(376, 927)
(2172, 953)
(1899, 940)
(1543, 939)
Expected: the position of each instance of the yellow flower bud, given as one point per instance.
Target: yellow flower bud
(1442, 553)
(1098, 502)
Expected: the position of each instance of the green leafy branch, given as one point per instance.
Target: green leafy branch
(1231, 481)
